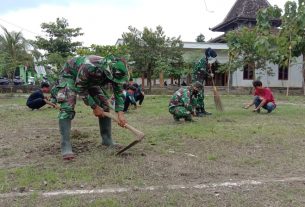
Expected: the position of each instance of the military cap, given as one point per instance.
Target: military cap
(116, 69)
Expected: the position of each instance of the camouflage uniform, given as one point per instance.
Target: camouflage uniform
(199, 73)
(181, 104)
(86, 75)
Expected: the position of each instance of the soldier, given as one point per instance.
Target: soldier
(200, 73)
(86, 75)
(182, 103)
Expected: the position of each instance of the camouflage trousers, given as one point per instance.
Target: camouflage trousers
(200, 100)
(65, 94)
(180, 112)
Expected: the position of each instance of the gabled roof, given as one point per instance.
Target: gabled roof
(242, 10)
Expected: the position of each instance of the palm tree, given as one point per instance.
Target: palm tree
(13, 49)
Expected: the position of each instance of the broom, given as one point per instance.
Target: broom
(217, 99)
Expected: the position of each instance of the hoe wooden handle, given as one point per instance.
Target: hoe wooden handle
(140, 135)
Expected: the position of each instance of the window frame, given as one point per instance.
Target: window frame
(247, 70)
(283, 73)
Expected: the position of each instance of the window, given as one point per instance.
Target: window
(283, 72)
(248, 72)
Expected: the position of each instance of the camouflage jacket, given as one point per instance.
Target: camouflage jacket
(87, 72)
(182, 97)
(200, 72)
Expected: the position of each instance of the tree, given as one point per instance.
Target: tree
(293, 32)
(289, 41)
(174, 56)
(271, 45)
(58, 42)
(120, 50)
(255, 46)
(278, 45)
(14, 52)
(200, 38)
(242, 43)
(150, 48)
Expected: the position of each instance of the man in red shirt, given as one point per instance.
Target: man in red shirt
(263, 98)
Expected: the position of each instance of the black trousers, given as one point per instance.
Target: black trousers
(127, 103)
(36, 103)
(139, 98)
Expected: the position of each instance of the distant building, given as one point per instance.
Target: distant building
(243, 13)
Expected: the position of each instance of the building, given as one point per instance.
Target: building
(243, 13)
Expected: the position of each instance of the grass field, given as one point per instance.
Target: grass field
(232, 146)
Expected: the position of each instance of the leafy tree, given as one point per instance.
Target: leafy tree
(58, 42)
(242, 43)
(254, 46)
(150, 49)
(14, 52)
(292, 34)
(200, 38)
(289, 41)
(162, 66)
(174, 59)
(120, 50)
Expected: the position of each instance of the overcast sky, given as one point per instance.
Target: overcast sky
(104, 21)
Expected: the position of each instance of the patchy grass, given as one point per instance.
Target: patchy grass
(236, 144)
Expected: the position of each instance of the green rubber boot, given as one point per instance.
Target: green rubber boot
(105, 131)
(176, 118)
(66, 147)
(188, 118)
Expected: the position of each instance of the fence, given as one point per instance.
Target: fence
(18, 88)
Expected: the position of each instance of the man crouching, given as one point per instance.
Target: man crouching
(183, 102)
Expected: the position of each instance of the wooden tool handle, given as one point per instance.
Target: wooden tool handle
(138, 133)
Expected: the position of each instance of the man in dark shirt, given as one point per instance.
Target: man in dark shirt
(263, 98)
(129, 98)
(38, 100)
(139, 94)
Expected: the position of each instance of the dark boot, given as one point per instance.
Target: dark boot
(199, 113)
(189, 118)
(105, 131)
(66, 147)
(175, 118)
(204, 112)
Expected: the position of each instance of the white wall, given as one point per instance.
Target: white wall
(139, 81)
(295, 77)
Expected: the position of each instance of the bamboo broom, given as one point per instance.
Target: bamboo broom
(217, 99)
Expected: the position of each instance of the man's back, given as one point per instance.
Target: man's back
(180, 97)
(36, 94)
(36, 100)
(85, 71)
(73, 65)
